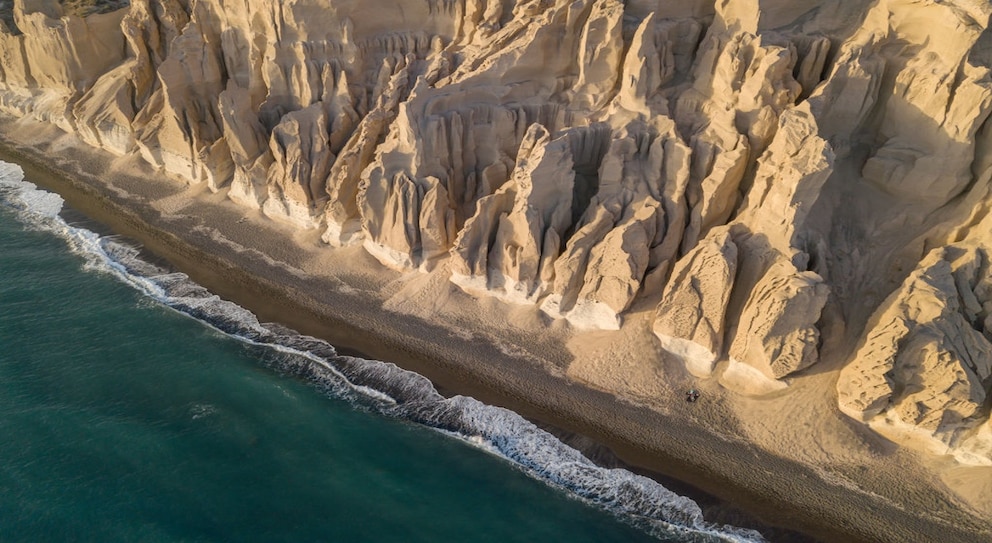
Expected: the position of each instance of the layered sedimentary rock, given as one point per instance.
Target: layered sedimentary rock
(750, 170)
(56, 57)
(777, 332)
(509, 243)
(631, 224)
(926, 357)
(691, 315)
(939, 91)
(766, 290)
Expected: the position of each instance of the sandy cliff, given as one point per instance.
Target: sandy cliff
(781, 183)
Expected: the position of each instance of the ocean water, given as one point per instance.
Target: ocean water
(137, 406)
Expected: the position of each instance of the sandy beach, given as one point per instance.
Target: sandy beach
(789, 459)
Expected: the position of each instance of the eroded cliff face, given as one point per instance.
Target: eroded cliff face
(757, 171)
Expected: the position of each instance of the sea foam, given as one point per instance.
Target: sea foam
(379, 386)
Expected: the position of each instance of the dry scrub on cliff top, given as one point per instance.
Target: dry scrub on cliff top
(757, 170)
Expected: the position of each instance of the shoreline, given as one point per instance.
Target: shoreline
(776, 490)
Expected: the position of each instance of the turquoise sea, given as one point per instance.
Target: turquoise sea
(137, 406)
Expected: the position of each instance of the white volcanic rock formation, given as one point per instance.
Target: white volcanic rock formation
(752, 170)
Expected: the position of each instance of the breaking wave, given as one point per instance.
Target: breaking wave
(380, 386)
